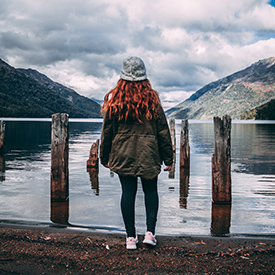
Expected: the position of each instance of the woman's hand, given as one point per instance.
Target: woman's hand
(168, 167)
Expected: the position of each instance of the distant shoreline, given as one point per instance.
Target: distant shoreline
(177, 121)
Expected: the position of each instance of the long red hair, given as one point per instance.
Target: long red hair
(131, 99)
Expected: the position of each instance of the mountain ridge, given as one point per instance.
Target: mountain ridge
(63, 91)
(232, 95)
(22, 95)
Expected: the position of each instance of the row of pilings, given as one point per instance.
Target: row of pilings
(221, 159)
(221, 168)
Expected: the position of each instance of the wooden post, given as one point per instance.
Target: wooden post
(221, 161)
(173, 138)
(92, 167)
(184, 145)
(60, 158)
(92, 162)
(2, 136)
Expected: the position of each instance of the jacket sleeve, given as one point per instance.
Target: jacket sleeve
(164, 138)
(106, 139)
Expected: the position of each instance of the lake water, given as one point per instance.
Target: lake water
(185, 207)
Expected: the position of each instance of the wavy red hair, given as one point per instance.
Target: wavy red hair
(131, 99)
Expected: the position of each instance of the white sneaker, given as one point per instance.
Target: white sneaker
(150, 238)
(131, 242)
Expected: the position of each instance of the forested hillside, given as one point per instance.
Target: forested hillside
(232, 95)
(23, 96)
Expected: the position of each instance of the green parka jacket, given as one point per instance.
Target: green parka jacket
(133, 149)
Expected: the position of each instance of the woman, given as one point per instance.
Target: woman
(135, 140)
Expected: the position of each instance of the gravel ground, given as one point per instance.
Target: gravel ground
(49, 250)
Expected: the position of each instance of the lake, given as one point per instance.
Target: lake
(185, 208)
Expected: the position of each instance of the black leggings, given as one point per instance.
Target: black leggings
(129, 190)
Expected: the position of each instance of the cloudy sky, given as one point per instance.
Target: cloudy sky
(185, 44)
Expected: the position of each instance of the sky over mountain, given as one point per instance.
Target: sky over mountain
(185, 44)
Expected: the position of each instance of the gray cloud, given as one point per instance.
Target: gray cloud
(14, 41)
(185, 45)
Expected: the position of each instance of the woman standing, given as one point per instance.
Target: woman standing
(135, 140)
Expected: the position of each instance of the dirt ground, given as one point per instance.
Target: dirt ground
(49, 250)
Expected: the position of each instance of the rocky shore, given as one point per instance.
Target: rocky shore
(50, 250)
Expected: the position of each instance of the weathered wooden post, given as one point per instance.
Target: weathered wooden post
(184, 145)
(60, 158)
(173, 138)
(92, 162)
(184, 163)
(221, 161)
(92, 167)
(2, 136)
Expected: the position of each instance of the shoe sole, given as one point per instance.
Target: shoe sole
(149, 242)
(131, 247)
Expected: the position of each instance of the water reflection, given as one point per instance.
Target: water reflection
(60, 212)
(252, 145)
(25, 193)
(27, 135)
(93, 174)
(2, 167)
(266, 186)
(171, 174)
(29, 139)
(221, 219)
(184, 187)
(253, 148)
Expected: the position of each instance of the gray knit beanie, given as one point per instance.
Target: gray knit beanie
(133, 69)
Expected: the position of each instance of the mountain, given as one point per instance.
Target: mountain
(97, 100)
(86, 104)
(28, 93)
(232, 95)
(263, 112)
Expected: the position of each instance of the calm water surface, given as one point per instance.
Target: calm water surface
(185, 207)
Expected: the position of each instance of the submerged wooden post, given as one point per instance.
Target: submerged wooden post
(184, 145)
(173, 138)
(221, 161)
(92, 167)
(60, 158)
(2, 136)
(92, 162)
